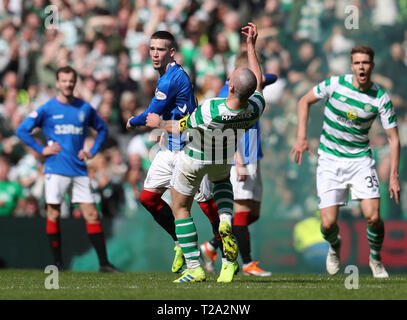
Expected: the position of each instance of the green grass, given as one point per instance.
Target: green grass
(30, 284)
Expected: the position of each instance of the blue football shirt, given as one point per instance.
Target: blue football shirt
(68, 125)
(174, 99)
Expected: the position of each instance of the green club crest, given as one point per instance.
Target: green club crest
(368, 107)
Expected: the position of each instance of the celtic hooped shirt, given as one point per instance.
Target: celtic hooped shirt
(219, 128)
(349, 114)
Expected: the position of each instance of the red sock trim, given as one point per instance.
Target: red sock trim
(52, 227)
(151, 200)
(253, 219)
(210, 209)
(92, 228)
(241, 218)
(55, 244)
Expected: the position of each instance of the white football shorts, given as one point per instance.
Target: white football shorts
(252, 187)
(189, 173)
(161, 170)
(337, 177)
(56, 186)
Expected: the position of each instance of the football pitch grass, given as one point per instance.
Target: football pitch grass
(20, 284)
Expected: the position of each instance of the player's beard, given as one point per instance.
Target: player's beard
(69, 90)
(68, 93)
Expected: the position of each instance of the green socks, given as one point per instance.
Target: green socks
(331, 236)
(188, 241)
(375, 239)
(223, 196)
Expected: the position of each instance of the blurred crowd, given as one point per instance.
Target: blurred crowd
(301, 41)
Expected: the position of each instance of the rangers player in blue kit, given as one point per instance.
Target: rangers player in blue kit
(65, 120)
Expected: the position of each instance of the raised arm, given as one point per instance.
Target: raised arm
(250, 31)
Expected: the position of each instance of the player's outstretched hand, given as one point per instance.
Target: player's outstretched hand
(128, 126)
(54, 148)
(250, 31)
(153, 120)
(84, 155)
(298, 150)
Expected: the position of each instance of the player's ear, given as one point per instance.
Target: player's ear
(231, 87)
(172, 52)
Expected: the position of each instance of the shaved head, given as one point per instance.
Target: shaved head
(244, 82)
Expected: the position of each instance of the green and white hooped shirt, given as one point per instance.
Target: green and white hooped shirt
(218, 128)
(349, 114)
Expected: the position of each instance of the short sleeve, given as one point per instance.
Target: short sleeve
(323, 90)
(387, 114)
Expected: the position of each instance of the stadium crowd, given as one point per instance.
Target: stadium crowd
(106, 41)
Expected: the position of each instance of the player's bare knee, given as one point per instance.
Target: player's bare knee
(374, 221)
(181, 213)
(92, 216)
(53, 216)
(328, 225)
(53, 212)
(90, 212)
(328, 218)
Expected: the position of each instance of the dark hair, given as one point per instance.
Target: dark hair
(363, 49)
(67, 69)
(166, 36)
